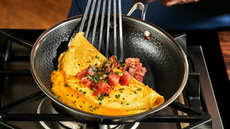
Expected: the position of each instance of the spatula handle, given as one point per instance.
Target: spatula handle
(139, 5)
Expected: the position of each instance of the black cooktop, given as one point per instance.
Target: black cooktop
(212, 52)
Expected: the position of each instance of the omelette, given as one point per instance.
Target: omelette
(128, 99)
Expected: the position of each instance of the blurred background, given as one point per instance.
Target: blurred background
(32, 14)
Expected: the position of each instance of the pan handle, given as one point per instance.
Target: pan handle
(141, 5)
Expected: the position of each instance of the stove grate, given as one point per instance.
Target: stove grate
(196, 117)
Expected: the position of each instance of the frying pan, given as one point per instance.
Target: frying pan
(166, 63)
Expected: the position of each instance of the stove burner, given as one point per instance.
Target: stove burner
(45, 106)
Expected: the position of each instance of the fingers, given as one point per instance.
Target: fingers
(169, 3)
(187, 1)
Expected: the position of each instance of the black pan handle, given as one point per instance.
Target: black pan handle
(141, 5)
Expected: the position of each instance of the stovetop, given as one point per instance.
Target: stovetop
(200, 44)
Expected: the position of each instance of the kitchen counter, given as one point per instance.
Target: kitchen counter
(224, 40)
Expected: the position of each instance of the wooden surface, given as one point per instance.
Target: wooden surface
(32, 14)
(224, 39)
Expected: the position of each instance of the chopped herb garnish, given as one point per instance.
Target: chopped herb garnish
(94, 69)
(117, 96)
(139, 89)
(118, 73)
(97, 57)
(106, 80)
(90, 106)
(121, 89)
(57, 96)
(95, 78)
(66, 85)
(124, 64)
(100, 97)
(111, 65)
(58, 69)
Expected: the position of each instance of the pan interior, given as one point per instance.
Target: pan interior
(160, 55)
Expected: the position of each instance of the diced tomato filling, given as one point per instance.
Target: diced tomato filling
(126, 78)
(132, 61)
(123, 67)
(96, 92)
(86, 81)
(102, 79)
(91, 71)
(138, 78)
(113, 79)
(81, 74)
(135, 67)
(114, 61)
(141, 71)
(132, 70)
(104, 87)
(107, 66)
(139, 65)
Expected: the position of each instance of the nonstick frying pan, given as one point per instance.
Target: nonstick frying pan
(166, 63)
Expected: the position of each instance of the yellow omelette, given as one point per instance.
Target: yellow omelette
(122, 100)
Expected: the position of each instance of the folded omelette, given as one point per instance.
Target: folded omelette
(122, 100)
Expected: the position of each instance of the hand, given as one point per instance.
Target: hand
(169, 3)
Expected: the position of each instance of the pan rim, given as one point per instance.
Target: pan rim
(102, 117)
